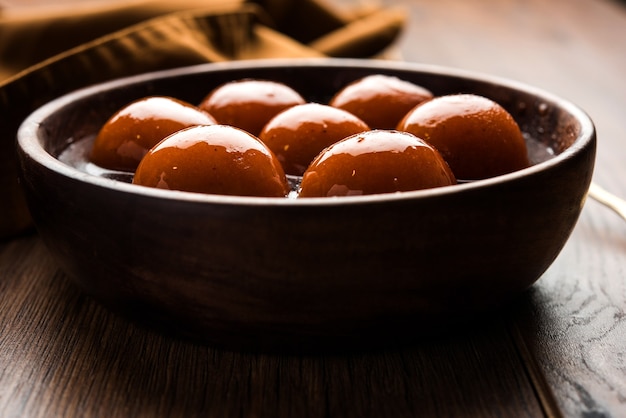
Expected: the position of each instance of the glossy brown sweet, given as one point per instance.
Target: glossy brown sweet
(215, 159)
(372, 162)
(249, 104)
(297, 135)
(128, 135)
(477, 137)
(380, 100)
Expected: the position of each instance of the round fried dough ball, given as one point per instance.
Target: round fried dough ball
(215, 159)
(476, 136)
(378, 161)
(380, 100)
(128, 135)
(297, 135)
(249, 104)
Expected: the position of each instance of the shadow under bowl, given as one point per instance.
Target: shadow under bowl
(266, 272)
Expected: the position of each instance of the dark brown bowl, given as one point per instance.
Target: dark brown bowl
(267, 272)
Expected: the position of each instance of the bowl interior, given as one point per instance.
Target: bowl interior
(548, 120)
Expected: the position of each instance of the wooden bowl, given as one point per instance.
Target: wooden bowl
(267, 272)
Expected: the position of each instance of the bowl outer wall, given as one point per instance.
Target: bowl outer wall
(214, 265)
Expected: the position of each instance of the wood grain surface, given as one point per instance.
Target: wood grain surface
(560, 351)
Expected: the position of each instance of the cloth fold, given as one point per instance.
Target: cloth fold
(47, 53)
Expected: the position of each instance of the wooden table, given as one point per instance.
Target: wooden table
(560, 351)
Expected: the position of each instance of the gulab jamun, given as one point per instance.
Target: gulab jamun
(249, 104)
(476, 136)
(297, 135)
(215, 159)
(380, 100)
(128, 135)
(377, 161)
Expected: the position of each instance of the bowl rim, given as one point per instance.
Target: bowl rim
(29, 143)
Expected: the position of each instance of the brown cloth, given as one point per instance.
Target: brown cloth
(48, 51)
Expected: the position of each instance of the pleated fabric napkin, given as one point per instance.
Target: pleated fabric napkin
(48, 51)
